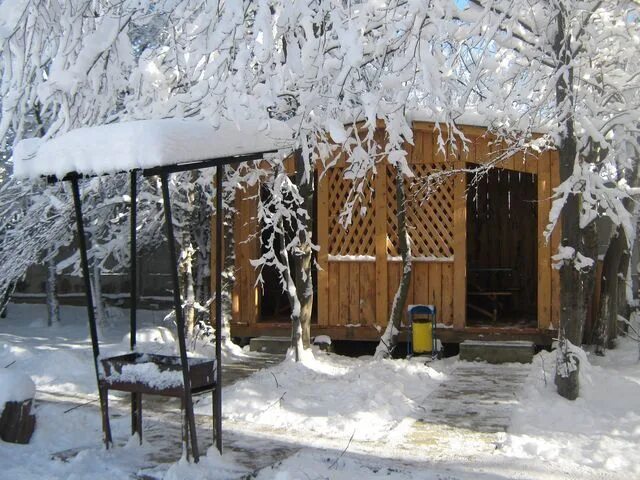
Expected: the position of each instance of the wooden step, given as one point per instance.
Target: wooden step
(267, 344)
(497, 351)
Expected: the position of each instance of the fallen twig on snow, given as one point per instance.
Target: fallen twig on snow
(81, 405)
(279, 400)
(343, 452)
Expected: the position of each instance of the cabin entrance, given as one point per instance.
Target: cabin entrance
(502, 277)
(274, 304)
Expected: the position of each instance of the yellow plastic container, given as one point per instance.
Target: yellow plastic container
(422, 336)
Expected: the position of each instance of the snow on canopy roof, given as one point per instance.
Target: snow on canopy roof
(142, 144)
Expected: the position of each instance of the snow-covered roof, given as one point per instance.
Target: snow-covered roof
(142, 144)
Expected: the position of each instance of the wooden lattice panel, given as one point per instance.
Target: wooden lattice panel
(357, 238)
(429, 213)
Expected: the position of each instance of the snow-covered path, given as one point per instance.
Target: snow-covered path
(327, 417)
(477, 396)
(473, 407)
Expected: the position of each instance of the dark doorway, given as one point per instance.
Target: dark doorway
(502, 223)
(274, 301)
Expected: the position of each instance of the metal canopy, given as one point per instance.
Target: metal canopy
(136, 404)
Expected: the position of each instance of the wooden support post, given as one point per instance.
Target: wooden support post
(556, 235)
(322, 216)
(544, 247)
(460, 248)
(380, 201)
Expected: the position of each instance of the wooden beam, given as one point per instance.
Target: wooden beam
(322, 216)
(544, 247)
(380, 202)
(253, 246)
(370, 334)
(556, 235)
(459, 249)
(445, 314)
(237, 236)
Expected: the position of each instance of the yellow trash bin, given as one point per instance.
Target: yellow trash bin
(422, 336)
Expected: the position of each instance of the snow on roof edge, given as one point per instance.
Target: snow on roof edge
(142, 144)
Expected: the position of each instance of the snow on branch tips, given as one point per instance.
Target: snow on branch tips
(600, 196)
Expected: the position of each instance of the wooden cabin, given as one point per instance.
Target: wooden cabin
(480, 255)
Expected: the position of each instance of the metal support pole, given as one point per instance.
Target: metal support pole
(177, 305)
(93, 330)
(133, 254)
(219, 261)
(136, 398)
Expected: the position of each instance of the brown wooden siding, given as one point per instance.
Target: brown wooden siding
(358, 275)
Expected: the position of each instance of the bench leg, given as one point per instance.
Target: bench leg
(185, 428)
(103, 393)
(136, 415)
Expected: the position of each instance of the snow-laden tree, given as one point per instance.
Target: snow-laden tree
(63, 65)
(324, 64)
(565, 67)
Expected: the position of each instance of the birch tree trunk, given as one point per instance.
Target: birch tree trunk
(53, 306)
(303, 260)
(389, 338)
(296, 325)
(189, 294)
(97, 294)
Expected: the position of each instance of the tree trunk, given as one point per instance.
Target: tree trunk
(572, 295)
(189, 294)
(608, 312)
(613, 292)
(389, 338)
(97, 294)
(296, 325)
(53, 306)
(625, 297)
(303, 260)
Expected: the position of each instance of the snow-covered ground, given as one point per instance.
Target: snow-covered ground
(333, 417)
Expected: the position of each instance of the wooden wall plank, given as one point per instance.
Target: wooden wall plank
(532, 164)
(380, 222)
(435, 285)
(367, 293)
(252, 306)
(421, 282)
(343, 294)
(354, 293)
(445, 314)
(417, 155)
(245, 292)
(556, 235)
(334, 294)
(544, 247)
(235, 292)
(322, 218)
(423, 151)
(460, 245)
(511, 162)
(393, 273)
(482, 150)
